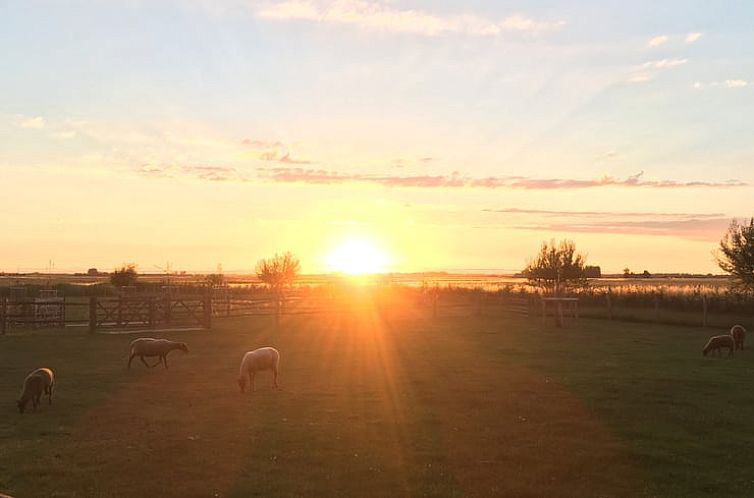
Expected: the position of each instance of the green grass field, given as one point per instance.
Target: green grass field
(378, 406)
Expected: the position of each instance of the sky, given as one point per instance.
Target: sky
(448, 135)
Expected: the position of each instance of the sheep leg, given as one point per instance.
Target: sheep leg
(130, 358)
(165, 360)
(275, 378)
(251, 381)
(49, 394)
(141, 357)
(159, 360)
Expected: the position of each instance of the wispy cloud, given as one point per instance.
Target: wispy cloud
(657, 41)
(735, 83)
(605, 214)
(647, 71)
(698, 229)
(456, 180)
(693, 37)
(31, 122)
(379, 16)
(208, 173)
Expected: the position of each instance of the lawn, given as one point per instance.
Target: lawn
(385, 405)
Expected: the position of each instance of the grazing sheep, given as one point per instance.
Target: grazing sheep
(40, 381)
(256, 361)
(146, 346)
(738, 332)
(718, 342)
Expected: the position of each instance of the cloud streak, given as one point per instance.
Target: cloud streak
(733, 83)
(377, 16)
(697, 229)
(604, 214)
(456, 180)
(648, 70)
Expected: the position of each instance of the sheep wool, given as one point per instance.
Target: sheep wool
(256, 361)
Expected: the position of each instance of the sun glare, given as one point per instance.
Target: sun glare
(357, 257)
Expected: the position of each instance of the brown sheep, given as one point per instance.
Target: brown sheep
(40, 381)
(718, 342)
(738, 332)
(146, 346)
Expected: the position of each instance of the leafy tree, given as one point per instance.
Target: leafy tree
(736, 254)
(557, 268)
(124, 276)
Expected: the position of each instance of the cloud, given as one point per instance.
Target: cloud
(208, 173)
(664, 63)
(378, 16)
(604, 214)
(33, 123)
(693, 37)
(692, 226)
(287, 159)
(456, 180)
(657, 41)
(705, 229)
(737, 83)
(647, 71)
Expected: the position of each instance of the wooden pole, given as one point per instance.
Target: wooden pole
(166, 305)
(208, 310)
(657, 307)
(152, 312)
(92, 314)
(609, 304)
(3, 315)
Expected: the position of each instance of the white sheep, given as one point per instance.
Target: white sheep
(256, 361)
(146, 346)
(738, 332)
(41, 380)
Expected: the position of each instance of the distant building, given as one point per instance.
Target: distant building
(92, 272)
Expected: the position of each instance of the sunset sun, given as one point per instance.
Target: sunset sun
(357, 257)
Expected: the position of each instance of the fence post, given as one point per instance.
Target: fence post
(657, 307)
(92, 314)
(609, 304)
(704, 311)
(208, 310)
(3, 315)
(166, 305)
(152, 312)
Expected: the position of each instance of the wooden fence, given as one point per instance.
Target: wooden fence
(167, 311)
(103, 313)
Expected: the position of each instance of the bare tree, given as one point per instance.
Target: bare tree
(736, 255)
(557, 268)
(278, 272)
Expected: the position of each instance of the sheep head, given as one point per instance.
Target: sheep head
(21, 404)
(183, 347)
(242, 384)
